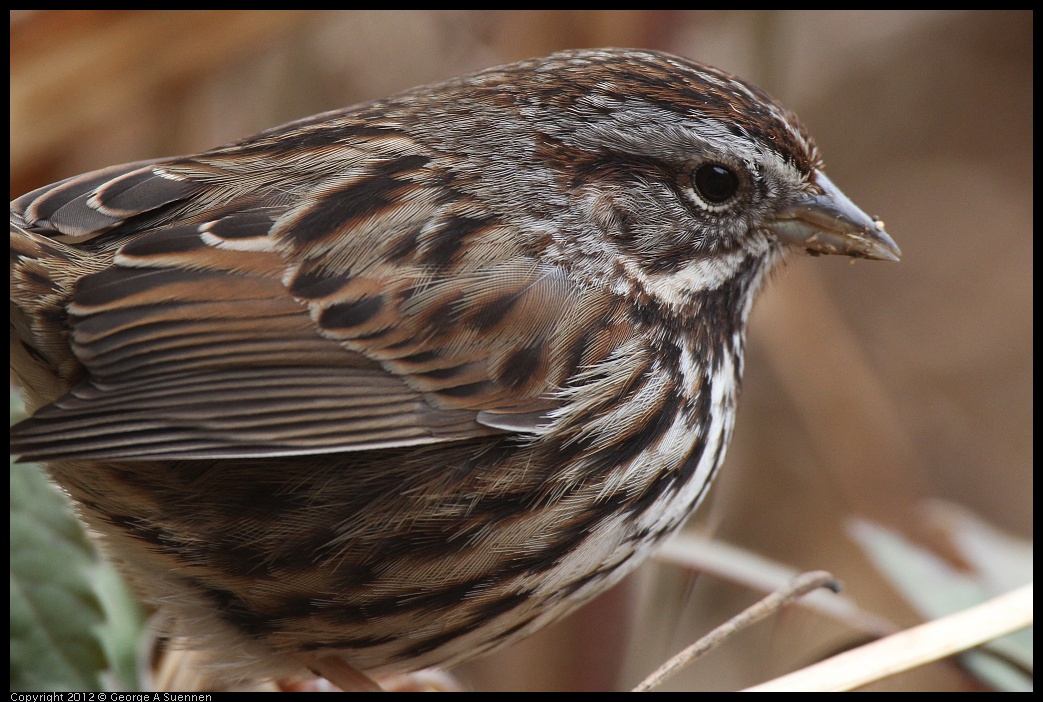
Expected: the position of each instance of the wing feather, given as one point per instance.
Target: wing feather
(241, 310)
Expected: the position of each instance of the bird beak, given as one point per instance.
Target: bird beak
(831, 224)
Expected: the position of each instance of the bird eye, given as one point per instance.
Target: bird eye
(715, 183)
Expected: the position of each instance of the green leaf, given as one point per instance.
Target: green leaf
(54, 609)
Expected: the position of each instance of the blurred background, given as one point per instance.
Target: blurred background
(887, 393)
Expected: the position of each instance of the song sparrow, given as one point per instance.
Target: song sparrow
(402, 383)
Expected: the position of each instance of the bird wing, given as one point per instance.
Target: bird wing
(344, 297)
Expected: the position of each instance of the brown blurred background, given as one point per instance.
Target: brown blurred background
(869, 387)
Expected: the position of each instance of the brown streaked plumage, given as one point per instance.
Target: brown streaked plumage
(402, 383)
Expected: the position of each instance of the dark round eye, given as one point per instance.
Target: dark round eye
(715, 183)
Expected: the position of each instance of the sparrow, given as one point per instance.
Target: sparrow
(396, 385)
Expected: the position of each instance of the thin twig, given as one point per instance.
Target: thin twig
(800, 586)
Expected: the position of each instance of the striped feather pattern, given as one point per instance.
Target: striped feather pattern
(403, 383)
